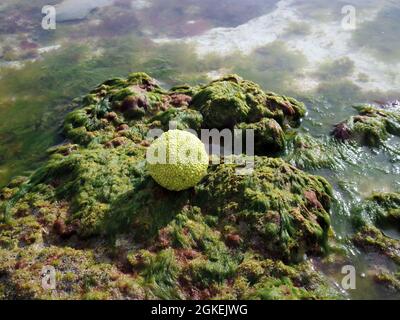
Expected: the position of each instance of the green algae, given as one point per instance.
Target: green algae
(79, 274)
(271, 280)
(35, 112)
(310, 153)
(160, 273)
(95, 190)
(272, 68)
(389, 280)
(370, 238)
(371, 219)
(372, 126)
(273, 203)
(269, 137)
(233, 102)
(382, 209)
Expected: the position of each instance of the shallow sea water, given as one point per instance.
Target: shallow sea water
(293, 47)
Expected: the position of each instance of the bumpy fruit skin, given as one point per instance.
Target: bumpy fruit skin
(183, 163)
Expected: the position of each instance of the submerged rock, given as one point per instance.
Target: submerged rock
(307, 152)
(381, 209)
(371, 239)
(371, 218)
(372, 126)
(93, 208)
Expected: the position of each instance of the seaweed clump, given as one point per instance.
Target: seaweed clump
(372, 126)
(278, 209)
(93, 212)
(371, 219)
(381, 209)
(231, 102)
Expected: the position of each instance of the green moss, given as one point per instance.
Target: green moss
(94, 191)
(371, 127)
(381, 209)
(369, 238)
(269, 137)
(20, 232)
(213, 263)
(183, 119)
(79, 275)
(34, 112)
(269, 280)
(160, 273)
(275, 203)
(223, 103)
(311, 153)
(251, 269)
(231, 100)
(389, 280)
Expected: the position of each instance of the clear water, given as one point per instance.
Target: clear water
(299, 48)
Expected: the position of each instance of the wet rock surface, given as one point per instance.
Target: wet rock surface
(372, 218)
(93, 212)
(372, 126)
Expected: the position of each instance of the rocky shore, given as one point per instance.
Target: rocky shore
(93, 213)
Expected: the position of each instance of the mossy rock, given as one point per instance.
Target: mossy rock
(94, 213)
(372, 126)
(229, 101)
(78, 275)
(370, 219)
(380, 209)
(310, 153)
(139, 103)
(268, 136)
(278, 207)
(371, 239)
(389, 280)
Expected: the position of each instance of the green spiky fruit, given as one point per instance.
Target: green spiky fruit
(177, 160)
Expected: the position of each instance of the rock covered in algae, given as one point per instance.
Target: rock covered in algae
(372, 126)
(371, 239)
(385, 251)
(183, 164)
(311, 153)
(278, 207)
(381, 209)
(371, 219)
(93, 212)
(268, 135)
(231, 100)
